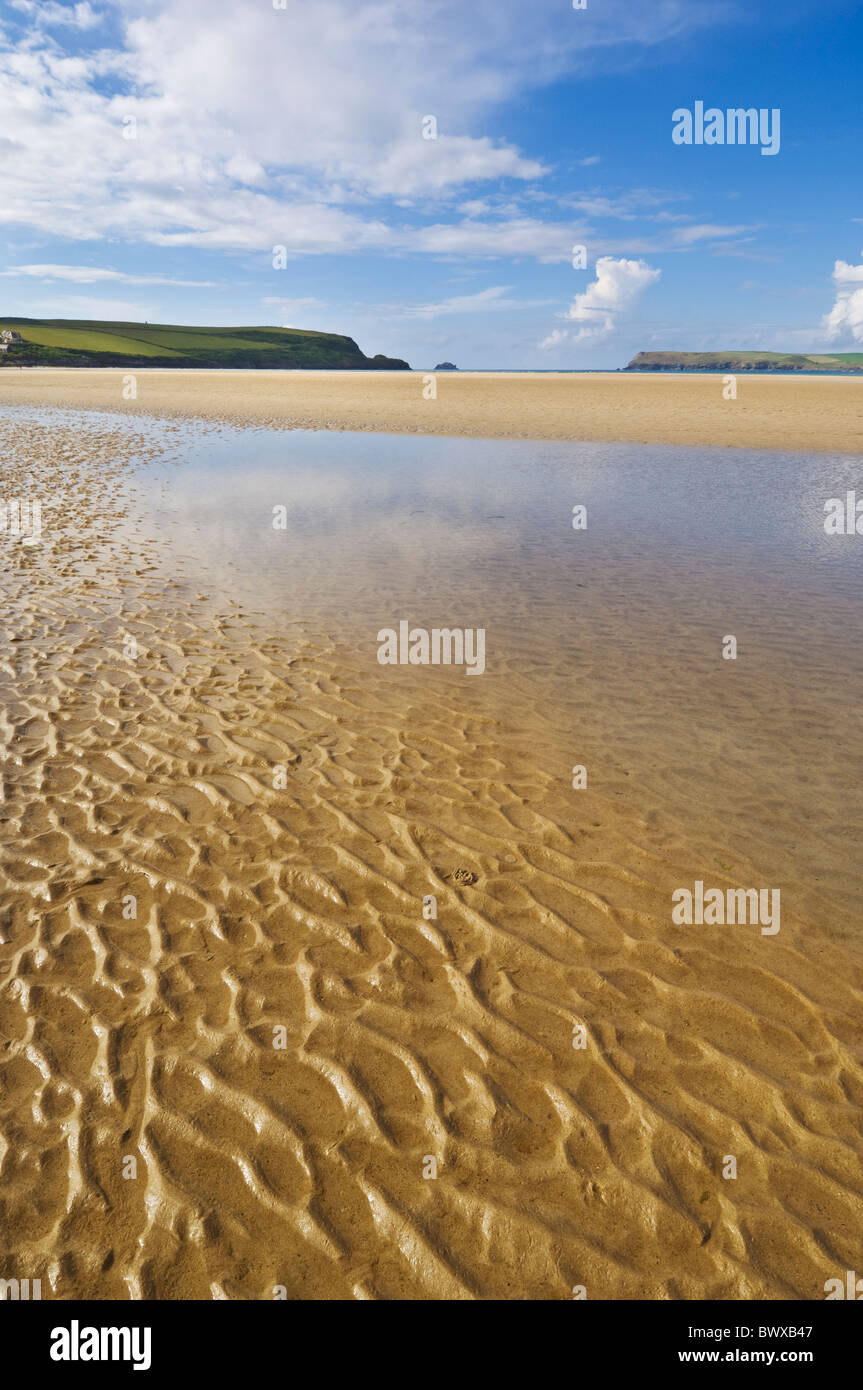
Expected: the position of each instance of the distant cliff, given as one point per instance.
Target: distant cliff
(95, 343)
(734, 361)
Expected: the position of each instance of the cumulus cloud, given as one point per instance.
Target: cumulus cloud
(257, 126)
(617, 287)
(845, 319)
(556, 338)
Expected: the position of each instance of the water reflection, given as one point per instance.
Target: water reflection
(412, 518)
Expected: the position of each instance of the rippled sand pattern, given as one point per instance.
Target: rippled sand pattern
(262, 907)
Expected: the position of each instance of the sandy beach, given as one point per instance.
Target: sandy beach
(431, 677)
(807, 413)
(274, 1070)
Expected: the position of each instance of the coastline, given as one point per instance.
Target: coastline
(814, 414)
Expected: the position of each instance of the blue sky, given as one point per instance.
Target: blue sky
(303, 127)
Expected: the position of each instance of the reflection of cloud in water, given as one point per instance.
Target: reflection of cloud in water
(411, 518)
(374, 521)
(379, 520)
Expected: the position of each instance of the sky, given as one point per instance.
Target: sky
(419, 174)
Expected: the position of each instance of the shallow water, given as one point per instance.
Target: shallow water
(616, 629)
(414, 517)
(295, 900)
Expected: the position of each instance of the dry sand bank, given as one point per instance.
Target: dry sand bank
(803, 413)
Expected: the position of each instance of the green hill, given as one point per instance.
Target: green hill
(755, 361)
(95, 343)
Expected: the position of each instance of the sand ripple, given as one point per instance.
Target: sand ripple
(260, 908)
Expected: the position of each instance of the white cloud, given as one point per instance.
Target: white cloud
(92, 275)
(288, 306)
(706, 231)
(493, 299)
(415, 166)
(258, 126)
(301, 312)
(79, 306)
(617, 287)
(845, 319)
(847, 274)
(519, 236)
(556, 338)
(627, 205)
(48, 13)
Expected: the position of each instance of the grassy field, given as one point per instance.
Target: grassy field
(94, 343)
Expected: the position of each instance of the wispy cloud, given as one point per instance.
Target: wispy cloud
(48, 13)
(706, 231)
(92, 275)
(79, 306)
(491, 300)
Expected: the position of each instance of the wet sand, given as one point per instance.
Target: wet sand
(298, 907)
(809, 413)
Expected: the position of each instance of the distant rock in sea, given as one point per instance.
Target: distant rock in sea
(446, 367)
